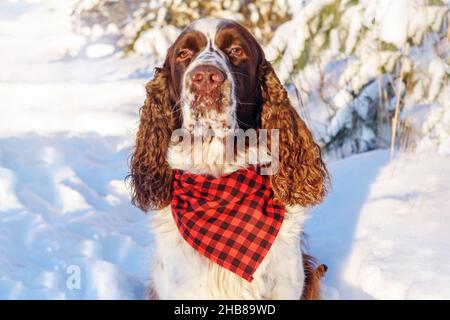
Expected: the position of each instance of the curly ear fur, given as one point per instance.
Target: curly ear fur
(302, 177)
(151, 176)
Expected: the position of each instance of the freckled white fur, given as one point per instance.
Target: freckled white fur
(210, 55)
(208, 157)
(180, 272)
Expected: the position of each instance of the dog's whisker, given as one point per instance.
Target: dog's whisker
(240, 73)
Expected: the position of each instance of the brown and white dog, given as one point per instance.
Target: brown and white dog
(215, 76)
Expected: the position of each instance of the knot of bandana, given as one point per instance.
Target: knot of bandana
(232, 220)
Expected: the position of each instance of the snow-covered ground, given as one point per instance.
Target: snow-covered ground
(45, 90)
(66, 127)
(384, 230)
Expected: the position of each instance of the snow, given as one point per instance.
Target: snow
(8, 200)
(393, 18)
(371, 40)
(387, 227)
(68, 231)
(156, 41)
(45, 89)
(99, 50)
(67, 122)
(64, 203)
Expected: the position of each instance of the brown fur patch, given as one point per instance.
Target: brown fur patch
(151, 294)
(313, 273)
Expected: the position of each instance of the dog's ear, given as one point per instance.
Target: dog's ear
(301, 178)
(151, 177)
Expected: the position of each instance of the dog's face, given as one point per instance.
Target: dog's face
(214, 67)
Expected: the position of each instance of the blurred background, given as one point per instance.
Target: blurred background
(370, 78)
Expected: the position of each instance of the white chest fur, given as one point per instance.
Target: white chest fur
(180, 272)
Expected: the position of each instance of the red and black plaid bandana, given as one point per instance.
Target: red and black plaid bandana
(232, 220)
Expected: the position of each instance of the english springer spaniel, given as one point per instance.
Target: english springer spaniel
(215, 77)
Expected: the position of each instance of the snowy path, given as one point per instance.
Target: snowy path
(66, 125)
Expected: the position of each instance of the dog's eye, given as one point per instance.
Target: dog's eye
(184, 54)
(235, 51)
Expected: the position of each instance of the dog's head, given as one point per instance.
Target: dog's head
(213, 69)
(215, 77)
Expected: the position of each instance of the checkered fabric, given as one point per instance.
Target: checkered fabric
(232, 220)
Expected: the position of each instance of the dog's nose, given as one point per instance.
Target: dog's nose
(206, 78)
